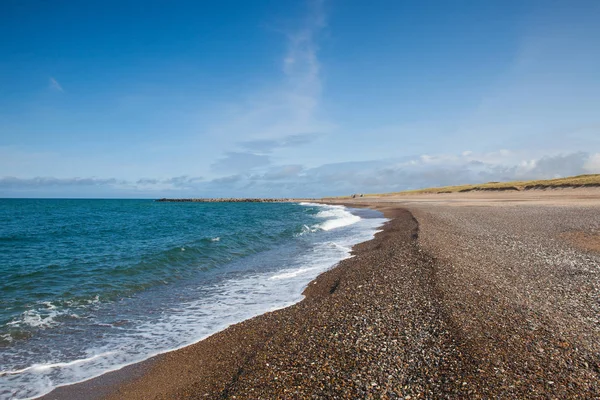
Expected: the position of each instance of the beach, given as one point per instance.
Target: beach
(469, 295)
(312, 199)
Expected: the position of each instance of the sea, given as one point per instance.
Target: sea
(90, 286)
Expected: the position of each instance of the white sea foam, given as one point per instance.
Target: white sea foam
(334, 216)
(339, 246)
(83, 303)
(291, 274)
(215, 239)
(6, 337)
(42, 316)
(45, 367)
(306, 229)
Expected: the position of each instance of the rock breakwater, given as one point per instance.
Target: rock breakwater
(227, 200)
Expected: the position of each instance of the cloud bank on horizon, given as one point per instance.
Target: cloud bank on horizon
(288, 101)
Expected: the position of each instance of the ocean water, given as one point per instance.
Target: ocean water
(89, 286)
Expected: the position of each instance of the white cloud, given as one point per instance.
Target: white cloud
(282, 172)
(301, 64)
(592, 165)
(183, 182)
(54, 85)
(239, 162)
(330, 179)
(177, 183)
(10, 182)
(269, 145)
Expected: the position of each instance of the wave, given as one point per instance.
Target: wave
(304, 230)
(45, 367)
(292, 274)
(38, 318)
(335, 216)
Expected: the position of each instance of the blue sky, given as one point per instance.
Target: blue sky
(293, 98)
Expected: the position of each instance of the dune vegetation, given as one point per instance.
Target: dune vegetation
(591, 180)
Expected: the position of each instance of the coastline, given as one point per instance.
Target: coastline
(418, 311)
(108, 383)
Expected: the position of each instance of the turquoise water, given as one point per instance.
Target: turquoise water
(89, 286)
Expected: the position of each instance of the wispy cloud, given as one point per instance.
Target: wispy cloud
(226, 180)
(301, 64)
(176, 182)
(279, 173)
(239, 162)
(38, 182)
(268, 145)
(54, 85)
(288, 110)
(592, 165)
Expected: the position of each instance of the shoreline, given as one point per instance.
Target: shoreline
(459, 296)
(214, 367)
(108, 383)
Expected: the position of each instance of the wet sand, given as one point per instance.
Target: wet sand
(470, 295)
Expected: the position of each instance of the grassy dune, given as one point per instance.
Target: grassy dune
(569, 182)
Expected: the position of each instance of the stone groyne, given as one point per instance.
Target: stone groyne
(228, 200)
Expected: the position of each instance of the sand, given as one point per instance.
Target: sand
(471, 295)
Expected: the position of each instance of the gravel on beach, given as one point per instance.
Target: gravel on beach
(446, 302)
(524, 292)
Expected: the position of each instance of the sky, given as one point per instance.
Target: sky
(279, 98)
